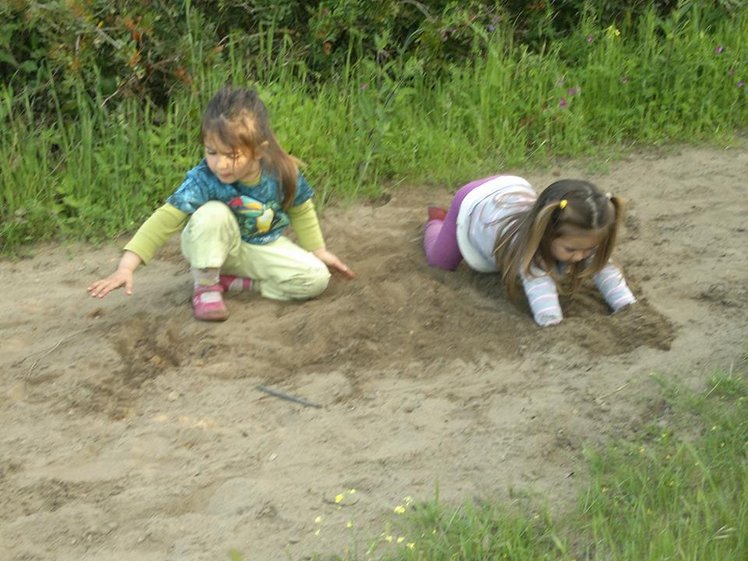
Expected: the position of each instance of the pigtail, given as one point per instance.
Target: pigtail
(517, 247)
(285, 166)
(605, 249)
(536, 237)
(508, 252)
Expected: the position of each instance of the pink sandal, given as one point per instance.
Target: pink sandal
(436, 213)
(231, 283)
(207, 303)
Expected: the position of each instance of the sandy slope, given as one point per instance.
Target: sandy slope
(130, 431)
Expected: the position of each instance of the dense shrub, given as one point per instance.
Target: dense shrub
(146, 48)
(129, 48)
(409, 91)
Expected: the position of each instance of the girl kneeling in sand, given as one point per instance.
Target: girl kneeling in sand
(232, 210)
(500, 224)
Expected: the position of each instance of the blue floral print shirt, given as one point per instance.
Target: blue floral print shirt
(258, 208)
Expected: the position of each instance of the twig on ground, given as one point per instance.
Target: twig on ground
(288, 397)
(618, 389)
(46, 352)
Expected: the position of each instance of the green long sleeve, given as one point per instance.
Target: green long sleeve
(168, 220)
(306, 225)
(162, 224)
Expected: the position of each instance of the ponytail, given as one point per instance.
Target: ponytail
(285, 167)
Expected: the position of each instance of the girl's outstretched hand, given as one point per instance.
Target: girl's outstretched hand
(120, 277)
(334, 263)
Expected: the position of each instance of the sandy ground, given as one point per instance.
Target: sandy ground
(131, 431)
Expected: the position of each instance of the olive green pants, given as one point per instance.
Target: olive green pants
(285, 271)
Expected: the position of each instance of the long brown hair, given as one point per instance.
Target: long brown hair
(568, 206)
(238, 118)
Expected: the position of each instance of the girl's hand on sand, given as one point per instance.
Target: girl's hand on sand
(334, 263)
(120, 277)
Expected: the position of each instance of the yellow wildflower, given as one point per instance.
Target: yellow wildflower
(612, 31)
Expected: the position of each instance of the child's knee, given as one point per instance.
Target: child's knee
(302, 284)
(314, 282)
(211, 214)
(211, 234)
(213, 219)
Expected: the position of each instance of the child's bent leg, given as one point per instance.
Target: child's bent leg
(283, 270)
(210, 235)
(440, 237)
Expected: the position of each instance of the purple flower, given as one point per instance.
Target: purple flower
(563, 104)
(718, 49)
(740, 84)
(573, 91)
(590, 38)
(491, 28)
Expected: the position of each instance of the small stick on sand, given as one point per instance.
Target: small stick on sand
(618, 389)
(288, 397)
(46, 352)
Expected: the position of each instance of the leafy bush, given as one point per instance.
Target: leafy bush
(145, 49)
(112, 50)
(94, 137)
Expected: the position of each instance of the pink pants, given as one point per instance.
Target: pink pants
(440, 237)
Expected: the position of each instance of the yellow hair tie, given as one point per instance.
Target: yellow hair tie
(562, 204)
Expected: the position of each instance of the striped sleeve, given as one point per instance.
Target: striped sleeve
(613, 287)
(542, 296)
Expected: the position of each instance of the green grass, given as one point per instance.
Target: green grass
(682, 492)
(678, 492)
(381, 124)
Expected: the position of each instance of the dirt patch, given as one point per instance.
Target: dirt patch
(131, 429)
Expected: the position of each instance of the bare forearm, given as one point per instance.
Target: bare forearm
(129, 261)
